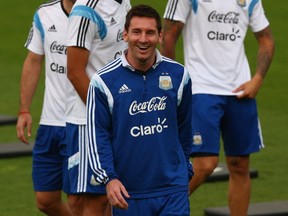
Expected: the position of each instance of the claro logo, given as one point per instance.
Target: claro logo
(57, 68)
(215, 35)
(142, 130)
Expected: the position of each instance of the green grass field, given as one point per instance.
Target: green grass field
(16, 194)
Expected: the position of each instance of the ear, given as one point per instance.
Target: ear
(125, 36)
(160, 36)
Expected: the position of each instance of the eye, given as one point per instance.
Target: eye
(151, 32)
(136, 31)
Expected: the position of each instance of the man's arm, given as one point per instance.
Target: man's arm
(171, 32)
(265, 51)
(77, 60)
(184, 120)
(99, 130)
(29, 81)
(264, 59)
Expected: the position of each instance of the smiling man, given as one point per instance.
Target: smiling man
(140, 133)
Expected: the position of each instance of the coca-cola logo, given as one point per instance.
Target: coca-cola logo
(58, 48)
(154, 104)
(230, 17)
(117, 54)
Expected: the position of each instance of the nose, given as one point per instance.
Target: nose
(143, 37)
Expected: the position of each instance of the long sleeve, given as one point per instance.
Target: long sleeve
(99, 129)
(184, 114)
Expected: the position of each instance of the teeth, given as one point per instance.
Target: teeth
(143, 47)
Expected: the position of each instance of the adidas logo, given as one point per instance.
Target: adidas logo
(52, 29)
(124, 89)
(112, 22)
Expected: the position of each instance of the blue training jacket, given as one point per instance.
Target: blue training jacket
(139, 127)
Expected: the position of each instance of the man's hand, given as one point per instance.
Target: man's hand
(116, 193)
(250, 88)
(24, 122)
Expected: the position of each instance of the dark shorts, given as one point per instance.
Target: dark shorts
(49, 169)
(176, 204)
(233, 119)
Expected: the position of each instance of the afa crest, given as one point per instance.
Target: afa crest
(165, 82)
(241, 3)
(197, 139)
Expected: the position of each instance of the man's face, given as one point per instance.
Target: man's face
(143, 38)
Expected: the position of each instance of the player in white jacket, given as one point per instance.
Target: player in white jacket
(223, 90)
(47, 40)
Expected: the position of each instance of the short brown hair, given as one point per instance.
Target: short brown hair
(143, 11)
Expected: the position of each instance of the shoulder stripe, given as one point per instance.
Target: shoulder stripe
(84, 24)
(172, 5)
(87, 15)
(111, 66)
(38, 25)
(185, 80)
(171, 61)
(92, 3)
(194, 4)
(30, 36)
(251, 6)
(49, 3)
